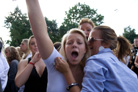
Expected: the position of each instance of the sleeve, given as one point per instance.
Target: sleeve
(4, 68)
(13, 70)
(56, 80)
(50, 61)
(93, 80)
(11, 77)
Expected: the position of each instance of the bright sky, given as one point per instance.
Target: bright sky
(118, 14)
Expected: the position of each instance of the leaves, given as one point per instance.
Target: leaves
(76, 13)
(130, 33)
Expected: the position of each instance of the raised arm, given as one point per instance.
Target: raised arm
(39, 28)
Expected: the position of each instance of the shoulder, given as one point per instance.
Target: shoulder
(14, 61)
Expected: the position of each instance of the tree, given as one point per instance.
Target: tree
(19, 26)
(130, 33)
(53, 30)
(76, 13)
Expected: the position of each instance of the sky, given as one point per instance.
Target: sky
(118, 14)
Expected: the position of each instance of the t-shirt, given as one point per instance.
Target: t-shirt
(56, 80)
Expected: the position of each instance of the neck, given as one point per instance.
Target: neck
(75, 68)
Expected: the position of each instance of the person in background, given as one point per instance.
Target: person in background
(86, 25)
(4, 68)
(103, 71)
(25, 49)
(134, 52)
(57, 45)
(136, 61)
(32, 72)
(13, 59)
(123, 50)
(19, 50)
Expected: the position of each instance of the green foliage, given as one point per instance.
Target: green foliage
(130, 34)
(76, 13)
(19, 27)
(53, 30)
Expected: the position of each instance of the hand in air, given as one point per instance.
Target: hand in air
(61, 65)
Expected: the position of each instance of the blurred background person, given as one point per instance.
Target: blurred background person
(25, 49)
(123, 50)
(57, 45)
(4, 67)
(134, 52)
(31, 72)
(13, 59)
(19, 51)
(86, 25)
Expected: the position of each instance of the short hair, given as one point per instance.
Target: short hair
(86, 20)
(30, 40)
(64, 39)
(108, 35)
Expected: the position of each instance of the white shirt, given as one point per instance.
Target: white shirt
(56, 80)
(4, 68)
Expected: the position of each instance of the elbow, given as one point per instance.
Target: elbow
(17, 83)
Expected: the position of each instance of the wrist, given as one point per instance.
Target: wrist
(72, 85)
(32, 63)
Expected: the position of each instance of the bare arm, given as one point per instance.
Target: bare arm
(63, 67)
(23, 73)
(25, 69)
(39, 28)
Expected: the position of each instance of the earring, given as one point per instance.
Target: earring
(101, 48)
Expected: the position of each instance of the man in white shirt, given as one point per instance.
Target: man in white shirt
(4, 68)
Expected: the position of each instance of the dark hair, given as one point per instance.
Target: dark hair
(57, 45)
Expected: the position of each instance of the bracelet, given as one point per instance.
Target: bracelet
(71, 85)
(31, 63)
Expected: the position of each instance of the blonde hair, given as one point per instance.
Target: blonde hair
(64, 39)
(86, 20)
(28, 50)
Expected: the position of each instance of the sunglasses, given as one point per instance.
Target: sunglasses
(91, 39)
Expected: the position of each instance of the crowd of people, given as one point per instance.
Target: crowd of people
(88, 59)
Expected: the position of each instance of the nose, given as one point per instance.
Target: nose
(74, 45)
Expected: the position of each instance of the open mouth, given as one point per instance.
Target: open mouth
(74, 54)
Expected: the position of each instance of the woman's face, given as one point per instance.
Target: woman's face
(95, 43)
(87, 28)
(33, 45)
(75, 48)
(7, 53)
